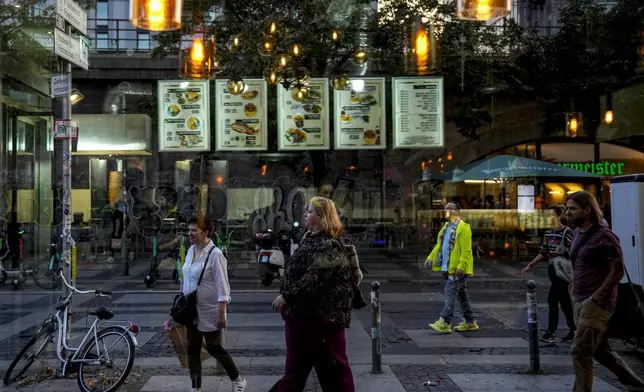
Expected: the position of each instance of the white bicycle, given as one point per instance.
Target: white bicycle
(94, 357)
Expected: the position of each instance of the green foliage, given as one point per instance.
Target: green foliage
(593, 53)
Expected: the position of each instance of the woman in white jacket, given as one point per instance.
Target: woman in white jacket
(213, 295)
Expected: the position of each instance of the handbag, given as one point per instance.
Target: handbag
(184, 307)
(562, 264)
(351, 253)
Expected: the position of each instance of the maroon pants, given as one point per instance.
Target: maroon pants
(321, 347)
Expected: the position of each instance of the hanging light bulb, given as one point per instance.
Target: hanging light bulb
(336, 35)
(236, 86)
(267, 45)
(272, 76)
(573, 123)
(340, 82)
(272, 27)
(199, 59)
(296, 50)
(283, 61)
(483, 10)
(235, 43)
(156, 15)
(449, 156)
(300, 92)
(360, 57)
(609, 116)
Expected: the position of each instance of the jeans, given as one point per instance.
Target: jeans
(195, 339)
(316, 346)
(591, 342)
(558, 295)
(454, 289)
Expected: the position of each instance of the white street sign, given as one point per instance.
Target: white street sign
(65, 129)
(61, 85)
(60, 22)
(73, 13)
(71, 49)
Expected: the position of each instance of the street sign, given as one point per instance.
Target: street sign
(60, 23)
(73, 13)
(61, 85)
(75, 50)
(65, 129)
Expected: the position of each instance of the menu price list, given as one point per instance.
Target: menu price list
(360, 115)
(242, 119)
(304, 125)
(184, 114)
(418, 111)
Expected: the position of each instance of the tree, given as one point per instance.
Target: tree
(594, 52)
(17, 15)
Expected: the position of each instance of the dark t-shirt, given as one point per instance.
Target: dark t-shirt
(593, 264)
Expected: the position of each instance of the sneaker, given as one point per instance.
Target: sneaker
(548, 337)
(441, 326)
(569, 337)
(239, 386)
(464, 326)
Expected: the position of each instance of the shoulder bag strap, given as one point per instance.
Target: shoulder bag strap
(205, 263)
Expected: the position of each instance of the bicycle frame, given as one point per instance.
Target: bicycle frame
(92, 333)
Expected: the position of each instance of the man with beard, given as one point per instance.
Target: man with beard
(599, 266)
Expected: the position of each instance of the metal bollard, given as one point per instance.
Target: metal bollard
(376, 338)
(533, 327)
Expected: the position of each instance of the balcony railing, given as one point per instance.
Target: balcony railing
(118, 36)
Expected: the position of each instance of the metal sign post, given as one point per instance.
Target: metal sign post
(69, 50)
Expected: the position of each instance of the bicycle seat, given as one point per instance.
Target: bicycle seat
(102, 313)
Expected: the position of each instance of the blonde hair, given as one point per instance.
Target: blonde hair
(328, 215)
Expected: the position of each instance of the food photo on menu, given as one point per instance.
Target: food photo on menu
(183, 123)
(356, 119)
(242, 121)
(305, 113)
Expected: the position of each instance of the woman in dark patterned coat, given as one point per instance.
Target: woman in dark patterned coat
(315, 301)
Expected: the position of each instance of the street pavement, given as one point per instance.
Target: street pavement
(492, 359)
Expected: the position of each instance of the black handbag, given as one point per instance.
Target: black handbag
(184, 307)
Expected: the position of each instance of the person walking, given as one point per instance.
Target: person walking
(452, 256)
(556, 243)
(206, 262)
(316, 298)
(599, 266)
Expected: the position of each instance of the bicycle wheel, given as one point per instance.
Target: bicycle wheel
(35, 347)
(47, 278)
(101, 381)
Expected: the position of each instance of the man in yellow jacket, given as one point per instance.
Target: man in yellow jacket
(452, 256)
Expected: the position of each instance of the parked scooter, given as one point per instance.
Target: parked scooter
(270, 259)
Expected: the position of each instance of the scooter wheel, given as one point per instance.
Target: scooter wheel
(267, 281)
(3, 277)
(148, 281)
(175, 276)
(15, 284)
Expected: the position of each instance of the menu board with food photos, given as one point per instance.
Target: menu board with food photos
(304, 125)
(241, 119)
(184, 115)
(418, 112)
(360, 115)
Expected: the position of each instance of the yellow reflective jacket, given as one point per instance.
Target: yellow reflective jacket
(461, 257)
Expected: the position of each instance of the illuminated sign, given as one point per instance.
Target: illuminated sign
(603, 168)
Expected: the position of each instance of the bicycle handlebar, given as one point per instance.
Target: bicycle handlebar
(98, 293)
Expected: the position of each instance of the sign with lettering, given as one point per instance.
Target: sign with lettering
(65, 129)
(603, 168)
(75, 50)
(73, 13)
(61, 85)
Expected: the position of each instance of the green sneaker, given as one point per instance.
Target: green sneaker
(441, 326)
(464, 326)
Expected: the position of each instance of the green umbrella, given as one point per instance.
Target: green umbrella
(510, 166)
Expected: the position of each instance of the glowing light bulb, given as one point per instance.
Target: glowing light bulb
(156, 12)
(483, 10)
(197, 50)
(609, 117)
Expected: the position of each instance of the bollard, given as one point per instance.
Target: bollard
(376, 338)
(533, 327)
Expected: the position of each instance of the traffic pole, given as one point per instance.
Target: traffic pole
(376, 338)
(533, 327)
